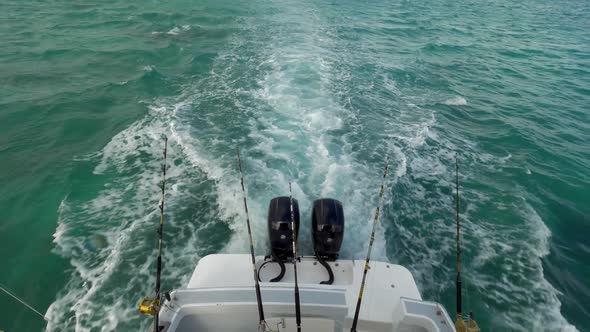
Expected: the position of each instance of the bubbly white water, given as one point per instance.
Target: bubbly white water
(295, 126)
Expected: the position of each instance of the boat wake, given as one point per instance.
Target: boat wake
(284, 92)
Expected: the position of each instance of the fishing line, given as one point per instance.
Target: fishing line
(7, 291)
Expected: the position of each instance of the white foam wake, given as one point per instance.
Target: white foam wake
(504, 239)
(107, 282)
(175, 31)
(456, 101)
(283, 105)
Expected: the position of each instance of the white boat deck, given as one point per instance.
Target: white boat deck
(220, 296)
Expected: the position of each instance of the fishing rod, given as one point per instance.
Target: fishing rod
(8, 292)
(160, 233)
(461, 325)
(262, 322)
(458, 222)
(293, 237)
(375, 220)
(151, 306)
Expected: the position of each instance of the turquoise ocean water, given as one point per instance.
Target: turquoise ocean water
(313, 91)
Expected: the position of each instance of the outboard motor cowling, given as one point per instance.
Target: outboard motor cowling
(279, 227)
(327, 228)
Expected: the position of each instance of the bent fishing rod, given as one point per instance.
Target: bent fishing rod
(261, 322)
(372, 239)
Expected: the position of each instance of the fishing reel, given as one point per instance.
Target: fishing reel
(151, 306)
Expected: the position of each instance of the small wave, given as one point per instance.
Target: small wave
(522, 275)
(455, 101)
(177, 30)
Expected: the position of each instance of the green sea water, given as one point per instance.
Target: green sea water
(313, 91)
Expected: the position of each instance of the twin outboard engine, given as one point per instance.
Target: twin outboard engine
(280, 231)
(327, 230)
(279, 227)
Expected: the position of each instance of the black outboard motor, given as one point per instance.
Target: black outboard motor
(327, 229)
(279, 227)
(279, 231)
